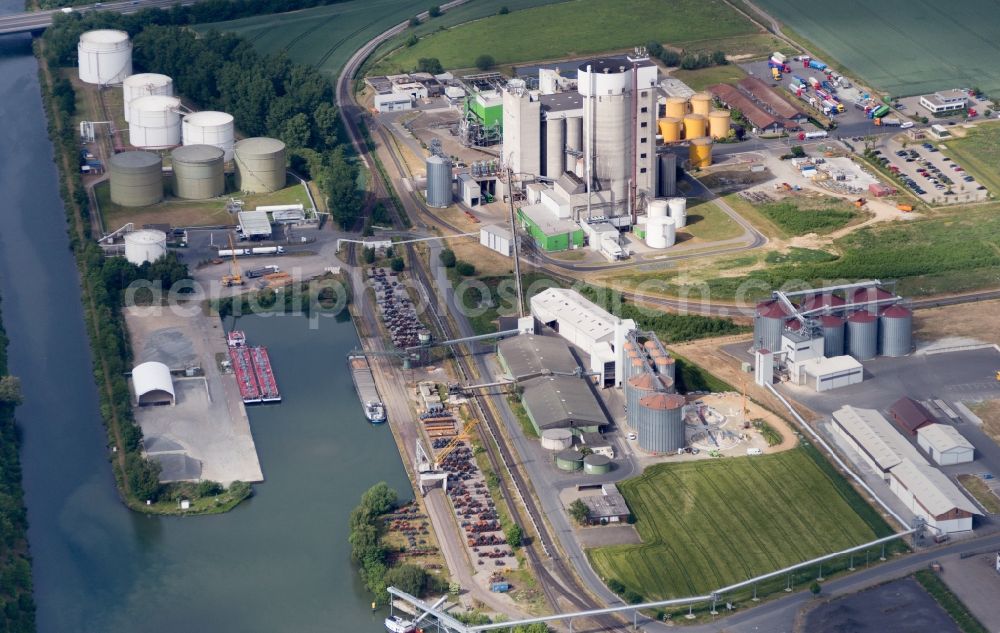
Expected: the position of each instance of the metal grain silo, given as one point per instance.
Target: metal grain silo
(595, 464)
(700, 152)
(144, 85)
(695, 126)
(701, 103)
(862, 335)
(555, 147)
(833, 335)
(145, 245)
(670, 128)
(260, 165)
(718, 123)
(666, 179)
(155, 122)
(569, 460)
(210, 128)
(895, 331)
(438, 181)
(817, 302)
(871, 296)
(198, 172)
(677, 107)
(104, 57)
(638, 387)
(574, 141)
(666, 366)
(768, 323)
(660, 423)
(136, 179)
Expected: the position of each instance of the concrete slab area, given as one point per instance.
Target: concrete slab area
(901, 606)
(976, 581)
(206, 435)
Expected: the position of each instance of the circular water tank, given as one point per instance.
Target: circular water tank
(136, 179)
(155, 122)
(557, 439)
(260, 165)
(862, 335)
(595, 464)
(895, 331)
(700, 153)
(145, 85)
(657, 209)
(145, 245)
(695, 126)
(656, 233)
(569, 460)
(210, 128)
(670, 128)
(718, 123)
(659, 423)
(701, 103)
(677, 107)
(198, 172)
(104, 57)
(678, 211)
(439, 192)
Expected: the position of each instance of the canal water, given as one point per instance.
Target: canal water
(279, 562)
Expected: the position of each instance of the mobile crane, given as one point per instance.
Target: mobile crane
(235, 276)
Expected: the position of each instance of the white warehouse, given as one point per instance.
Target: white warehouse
(945, 444)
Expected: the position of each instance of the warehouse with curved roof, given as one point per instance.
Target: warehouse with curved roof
(153, 385)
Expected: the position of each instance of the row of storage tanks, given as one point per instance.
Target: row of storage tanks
(864, 333)
(663, 219)
(695, 120)
(568, 458)
(654, 411)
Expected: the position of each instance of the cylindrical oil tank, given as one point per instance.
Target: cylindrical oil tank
(669, 232)
(660, 423)
(660, 233)
(718, 123)
(210, 128)
(895, 331)
(145, 245)
(701, 103)
(637, 387)
(666, 184)
(155, 122)
(136, 179)
(677, 107)
(260, 165)
(198, 172)
(555, 147)
(104, 57)
(695, 125)
(574, 141)
(145, 85)
(595, 464)
(700, 153)
(862, 335)
(557, 439)
(833, 335)
(678, 211)
(569, 460)
(657, 209)
(666, 367)
(670, 128)
(768, 323)
(438, 181)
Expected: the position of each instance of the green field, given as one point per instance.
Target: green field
(580, 27)
(979, 154)
(905, 47)
(707, 222)
(708, 524)
(797, 219)
(704, 77)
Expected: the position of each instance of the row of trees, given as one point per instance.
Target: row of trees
(214, 10)
(687, 61)
(17, 608)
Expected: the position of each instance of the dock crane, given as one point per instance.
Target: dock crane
(235, 276)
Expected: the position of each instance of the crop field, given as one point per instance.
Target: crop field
(708, 524)
(904, 47)
(979, 153)
(580, 27)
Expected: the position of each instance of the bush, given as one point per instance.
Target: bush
(368, 255)
(447, 258)
(578, 510)
(485, 62)
(412, 40)
(397, 264)
(465, 269)
(503, 10)
(414, 21)
(515, 535)
(430, 65)
(208, 488)
(815, 588)
(434, 11)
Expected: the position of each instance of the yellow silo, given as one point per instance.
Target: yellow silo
(670, 129)
(701, 103)
(695, 125)
(718, 123)
(701, 152)
(677, 107)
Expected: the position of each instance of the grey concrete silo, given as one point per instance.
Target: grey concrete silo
(660, 423)
(438, 181)
(862, 335)
(136, 178)
(895, 331)
(198, 172)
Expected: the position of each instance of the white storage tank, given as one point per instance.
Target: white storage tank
(260, 165)
(210, 128)
(557, 439)
(145, 245)
(145, 85)
(678, 211)
(198, 172)
(104, 57)
(655, 233)
(155, 122)
(657, 209)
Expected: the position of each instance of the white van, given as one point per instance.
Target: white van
(755, 451)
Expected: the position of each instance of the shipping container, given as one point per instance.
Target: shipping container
(817, 65)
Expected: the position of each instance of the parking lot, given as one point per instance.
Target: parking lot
(929, 173)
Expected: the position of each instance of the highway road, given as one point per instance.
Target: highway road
(31, 21)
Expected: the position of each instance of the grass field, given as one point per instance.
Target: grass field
(979, 154)
(707, 222)
(905, 47)
(579, 27)
(798, 219)
(978, 489)
(707, 524)
(705, 77)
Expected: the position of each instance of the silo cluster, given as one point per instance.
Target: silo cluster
(654, 410)
(691, 118)
(144, 85)
(154, 122)
(210, 128)
(136, 178)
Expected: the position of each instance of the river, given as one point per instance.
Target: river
(280, 561)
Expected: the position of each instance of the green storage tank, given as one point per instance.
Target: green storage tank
(595, 464)
(569, 460)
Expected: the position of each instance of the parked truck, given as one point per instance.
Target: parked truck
(817, 65)
(888, 122)
(799, 79)
(268, 250)
(828, 86)
(779, 57)
(781, 66)
(879, 112)
(253, 273)
(814, 82)
(775, 74)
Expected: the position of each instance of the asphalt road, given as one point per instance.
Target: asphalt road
(40, 20)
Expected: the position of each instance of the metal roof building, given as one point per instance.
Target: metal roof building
(254, 224)
(608, 507)
(152, 384)
(530, 355)
(910, 415)
(873, 438)
(945, 444)
(579, 321)
(930, 494)
(562, 402)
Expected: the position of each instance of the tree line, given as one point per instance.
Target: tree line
(686, 61)
(214, 10)
(268, 95)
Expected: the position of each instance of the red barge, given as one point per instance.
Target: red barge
(252, 367)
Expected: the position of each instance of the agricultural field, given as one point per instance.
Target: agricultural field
(904, 47)
(708, 524)
(979, 153)
(580, 27)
